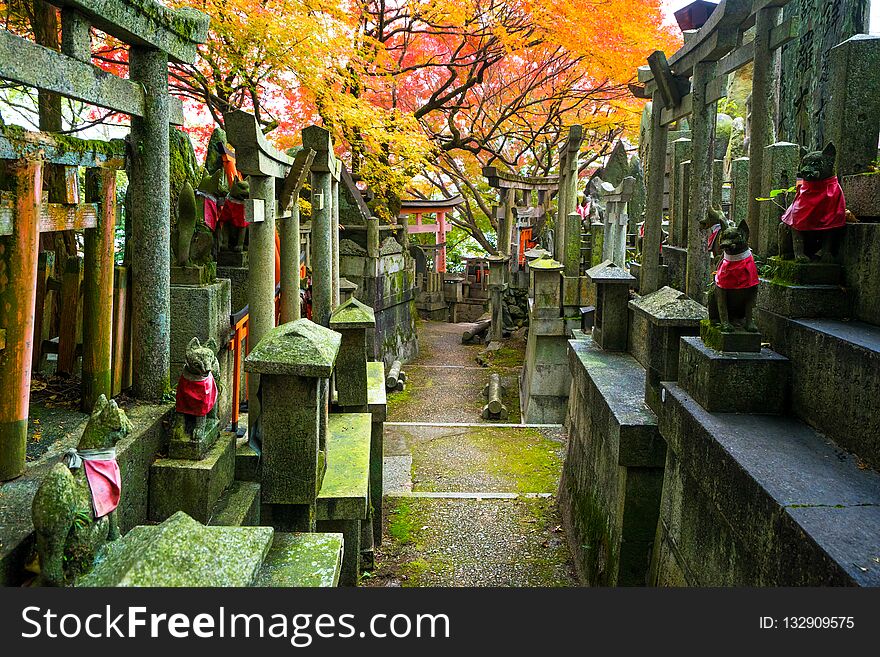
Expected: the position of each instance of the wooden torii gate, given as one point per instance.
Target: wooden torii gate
(690, 83)
(155, 34)
(510, 186)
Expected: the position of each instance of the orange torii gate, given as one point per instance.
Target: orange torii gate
(440, 209)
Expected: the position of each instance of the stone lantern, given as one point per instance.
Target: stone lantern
(294, 361)
(547, 283)
(611, 322)
(352, 319)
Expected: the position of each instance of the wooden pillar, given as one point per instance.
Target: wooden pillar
(650, 270)
(505, 225)
(761, 123)
(150, 227)
(441, 235)
(702, 168)
(98, 289)
(18, 278)
(121, 342)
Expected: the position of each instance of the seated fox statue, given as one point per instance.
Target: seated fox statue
(810, 226)
(735, 291)
(74, 509)
(195, 425)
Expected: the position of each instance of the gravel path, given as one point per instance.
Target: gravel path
(444, 540)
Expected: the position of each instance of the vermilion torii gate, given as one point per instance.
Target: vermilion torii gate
(440, 209)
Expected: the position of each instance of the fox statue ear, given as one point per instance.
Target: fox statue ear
(830, 151)
(744, 229)
(804, 152)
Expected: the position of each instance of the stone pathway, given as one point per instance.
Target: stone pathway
(468, 503)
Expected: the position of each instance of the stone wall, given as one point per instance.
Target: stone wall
(385, 284)
(610, 488)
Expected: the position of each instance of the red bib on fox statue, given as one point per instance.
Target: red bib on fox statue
(819, 205)
(737, 272)
(196, 397)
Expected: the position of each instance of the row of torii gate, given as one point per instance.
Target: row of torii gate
(520, 221)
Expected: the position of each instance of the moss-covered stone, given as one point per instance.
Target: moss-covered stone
(344, 491)
(300, 348)
(183, 552)
(302, 560)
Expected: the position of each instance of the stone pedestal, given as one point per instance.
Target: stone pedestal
(191, 275)
(661, 319)
(238, 278)
(809, 289)
(733, 382)
(611, 322)
(198, 311)
(734, 341)
(295, 361)
(192, 486)
(232, 259)
(182, 446)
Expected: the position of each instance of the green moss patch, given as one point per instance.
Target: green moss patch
(484, 459)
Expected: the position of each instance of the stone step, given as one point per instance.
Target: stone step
(792, 300)
(247, 464)
(239, 506)
(302, 560)
(834, 377)
(192, 486)
(761, 500)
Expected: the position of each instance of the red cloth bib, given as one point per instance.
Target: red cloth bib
(714, 232)
(819, 205)
(211, 211)
(105, 483)
(738, 274)
(232, 212)
(196, 397)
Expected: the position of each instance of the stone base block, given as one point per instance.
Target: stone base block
(232, 259)
(733, 382)
(798, 301)
(182, 445)
(247, 464)
(675, 260)
(729, 341)
(613, 473)
(761, 500)
(805, 273)
(239, 506)
(192, 486)
(199, 312)
(194, 275)
(238, 278)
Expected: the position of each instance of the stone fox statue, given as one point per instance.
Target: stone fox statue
(809, 227)
(197, 390)
(74, 510)
(735, 291)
